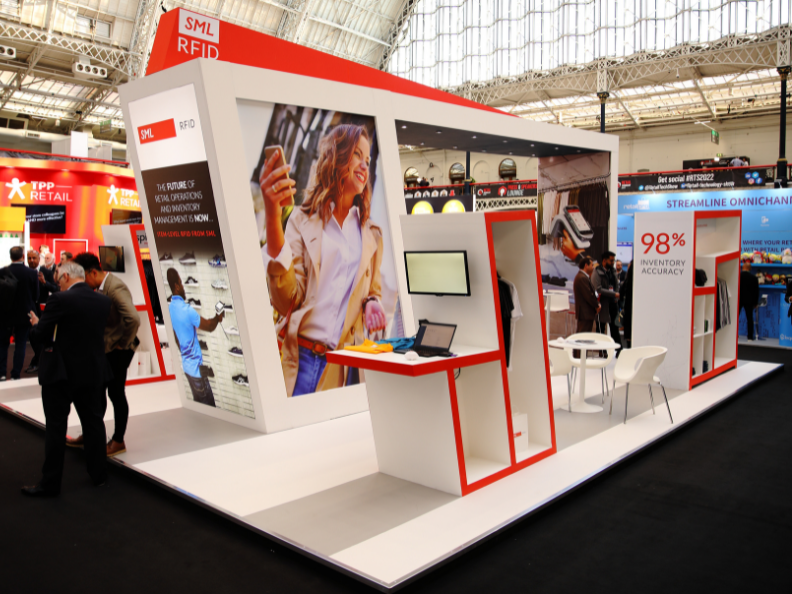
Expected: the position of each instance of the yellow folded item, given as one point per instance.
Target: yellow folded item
(370, 347)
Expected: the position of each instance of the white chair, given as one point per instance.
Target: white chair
(556, 301)
(560, 364)
(638, 366)
(596, 363)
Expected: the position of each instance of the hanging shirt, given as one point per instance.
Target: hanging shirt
(342, 248)
(516, 314)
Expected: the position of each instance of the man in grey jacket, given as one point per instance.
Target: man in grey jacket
(606, 284)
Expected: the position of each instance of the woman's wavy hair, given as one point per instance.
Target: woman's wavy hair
(327, 182)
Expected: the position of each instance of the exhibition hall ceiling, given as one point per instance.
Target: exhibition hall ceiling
(662, 62)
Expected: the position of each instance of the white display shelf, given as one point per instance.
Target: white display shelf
(479, 468)
(532, 450)
(718, 254)
(721, 361)
(702, 334)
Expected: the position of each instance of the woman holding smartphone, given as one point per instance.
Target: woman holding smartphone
(324, 270)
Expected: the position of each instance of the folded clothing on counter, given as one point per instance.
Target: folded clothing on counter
(370, 347)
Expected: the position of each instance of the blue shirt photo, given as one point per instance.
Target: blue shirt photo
(185, 321)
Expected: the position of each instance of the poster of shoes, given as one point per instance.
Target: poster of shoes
(191, 259)
(195, 274)
(324, 237)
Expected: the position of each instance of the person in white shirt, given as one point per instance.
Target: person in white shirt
(324, 270)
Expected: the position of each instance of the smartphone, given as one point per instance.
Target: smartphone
(279, 162)
(575, 217)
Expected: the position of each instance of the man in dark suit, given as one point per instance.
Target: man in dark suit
(45, 288)
(15, 322)
(586, 305)
(79, 315)
(749, 296)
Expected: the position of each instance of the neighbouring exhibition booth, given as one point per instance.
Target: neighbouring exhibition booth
(375, 385)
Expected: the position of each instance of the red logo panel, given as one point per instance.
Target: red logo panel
(157, 131)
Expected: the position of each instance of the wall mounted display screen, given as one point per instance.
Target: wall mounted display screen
(112, 258)
(437, 273)
(126, 217)
(45, 219)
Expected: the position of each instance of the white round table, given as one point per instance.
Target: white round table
(579, 403)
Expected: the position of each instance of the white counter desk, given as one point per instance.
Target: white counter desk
(430, 428)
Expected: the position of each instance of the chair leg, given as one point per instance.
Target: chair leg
(613, 394)
(605, 373)
(626, 398)
(602, 385)
(668, 407)
(569, 393)
(651, 398)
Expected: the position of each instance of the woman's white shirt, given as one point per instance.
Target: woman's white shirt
(342, 248)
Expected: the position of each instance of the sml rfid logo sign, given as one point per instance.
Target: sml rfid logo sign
(200, 27)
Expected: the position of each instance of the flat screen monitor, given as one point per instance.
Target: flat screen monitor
(111, 258)
(125, 217)
(45, 220)
(437, 273)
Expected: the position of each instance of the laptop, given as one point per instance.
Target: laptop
(434, 340)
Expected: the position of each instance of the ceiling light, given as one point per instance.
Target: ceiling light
(578, 150)
(454, 147)
(511, 153)
(404, 127)
(533, 154)
(531, 144)
(474, 136)
(556, 148)
(439, 132)
(422, 144)
(505, 141)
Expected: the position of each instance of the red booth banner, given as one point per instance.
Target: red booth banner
(67, 203)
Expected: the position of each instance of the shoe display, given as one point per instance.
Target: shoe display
(219, 285)
(228, 307)
(235, 352)
(218, 261)
(166, 259)
(114, 448)
(241, 380)
(38, 491)
(233, 330)
(196, 303)
(191, 282)
(75, 442)
(203, 345)
(188, 258)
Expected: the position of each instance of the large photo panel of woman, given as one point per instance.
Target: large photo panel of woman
(324, 237)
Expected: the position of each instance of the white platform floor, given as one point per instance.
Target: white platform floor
(319, 490)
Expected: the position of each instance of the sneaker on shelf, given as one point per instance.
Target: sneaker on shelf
(228, 307)
(191, 282)
(218, 261)
(235, 352)
(219, 285)
(188, 258)
(241, 380)
(233, 330)
(166, 259)
(196, 303)
(203, 345)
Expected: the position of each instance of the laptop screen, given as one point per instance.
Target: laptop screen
(437, 336)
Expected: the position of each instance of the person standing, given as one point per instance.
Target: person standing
(626, 291)
(14, 320)
(186, 322)
(76, 372)
(45, 288)
(749, 296)
(121, 340)
(607, 286)
(586, 304)
(737, 162)
(621, 273)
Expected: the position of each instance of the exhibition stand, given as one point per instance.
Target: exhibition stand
(66, 202)
(416, 459)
